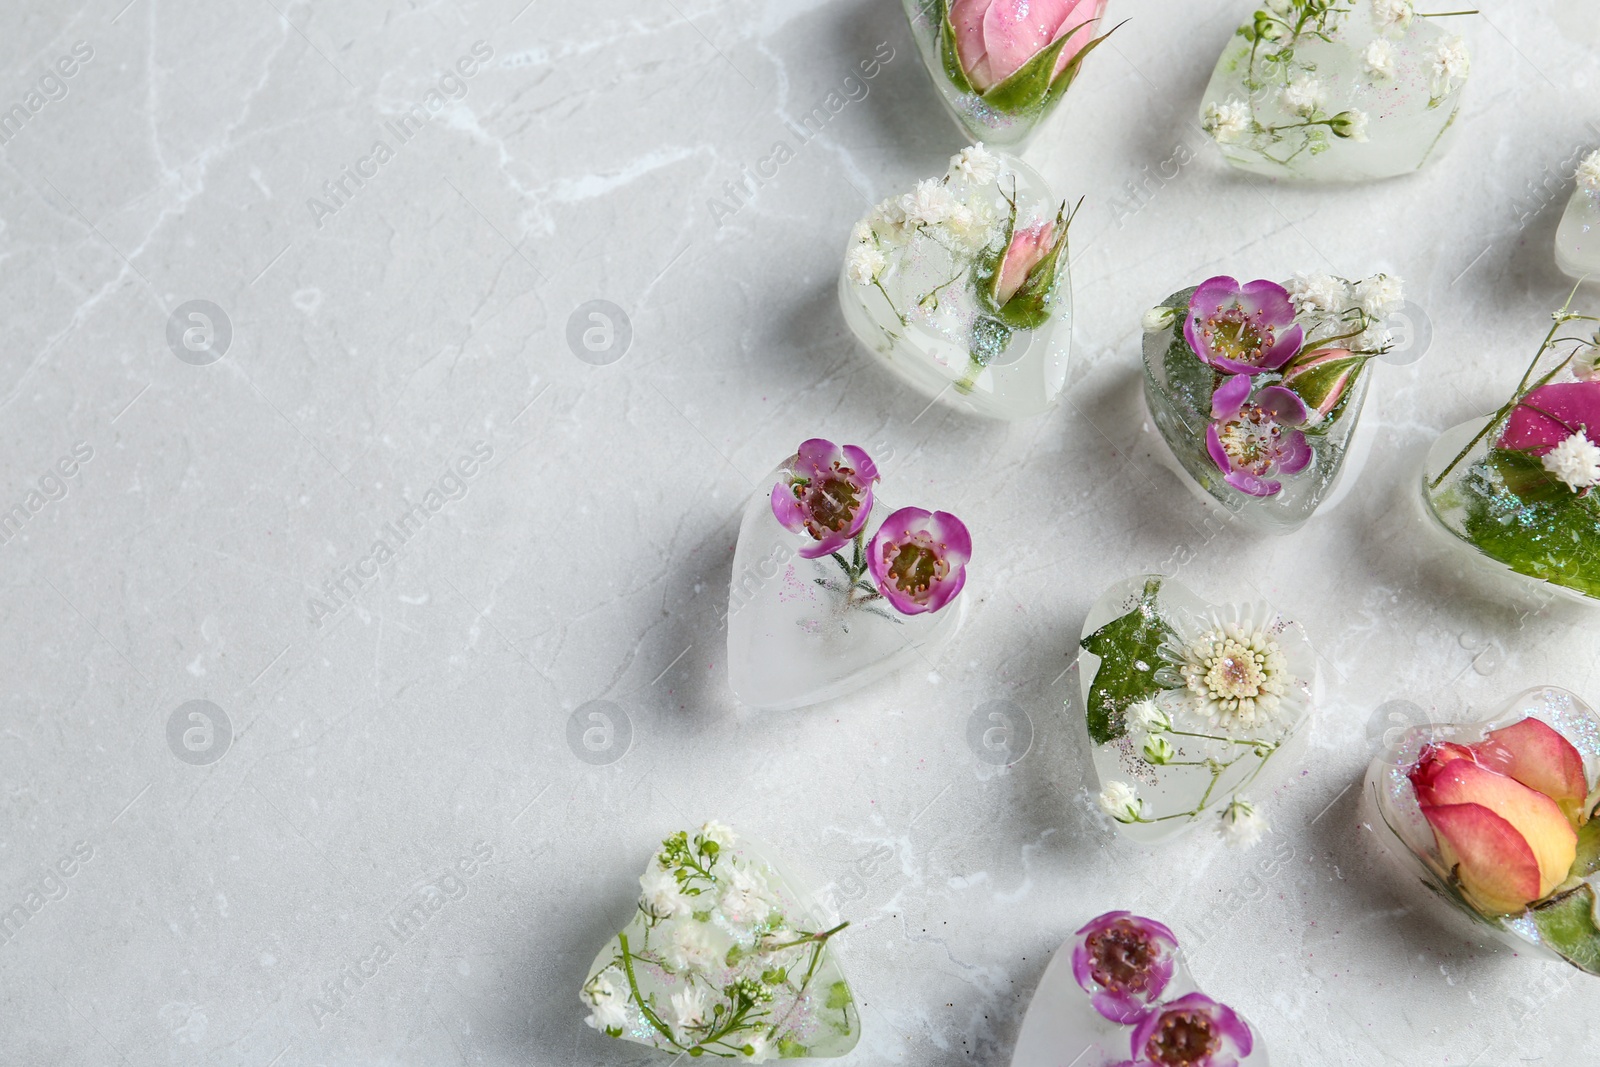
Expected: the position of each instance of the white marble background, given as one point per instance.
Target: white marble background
(588, 558)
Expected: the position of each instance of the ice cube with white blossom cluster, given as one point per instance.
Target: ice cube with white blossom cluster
(960, 286)
(1324, 90)
(724, 957)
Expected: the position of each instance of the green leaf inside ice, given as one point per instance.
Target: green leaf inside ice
(947, 51)
(1588, 860)
(1129, 650)
(1567, 925)
(1522, 515)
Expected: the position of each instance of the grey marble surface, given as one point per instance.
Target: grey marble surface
(355, 750)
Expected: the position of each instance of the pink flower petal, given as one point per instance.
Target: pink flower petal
(1575, 403)
(966, 17)
(1230, 396)
(1014, 31)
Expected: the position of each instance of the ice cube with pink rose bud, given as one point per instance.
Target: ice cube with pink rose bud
(960, 286)
(1315, 90)
(1002, 66)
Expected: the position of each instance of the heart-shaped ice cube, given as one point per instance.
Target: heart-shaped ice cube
(725, 955)
(1191, 708)
(1496, 818)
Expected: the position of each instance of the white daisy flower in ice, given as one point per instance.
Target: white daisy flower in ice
(1227, 123)
(976, 164)
(1576, 461)
(1393, 14)
(1303, 96)
(1121, 801)
(1380, 58)
(863, 264)
(1318, 291)
(1242, 823)
(1234, 673)
(1589, 173)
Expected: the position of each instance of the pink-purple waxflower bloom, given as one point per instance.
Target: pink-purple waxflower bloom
(1124, 962)
(826, 494)
(918, 559)
(1192, 1031)
(1242, 329)
(1252, 437)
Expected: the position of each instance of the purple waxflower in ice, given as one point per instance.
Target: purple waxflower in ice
(1124, 962)
(825, 494)
(918, 559)
(1253, 437)
(1192, 1031)
(1242, 329)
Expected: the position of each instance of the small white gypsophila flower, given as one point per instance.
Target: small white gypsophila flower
(1242, 823)
(1158, 750)
(1121, 801)
(1160, 319)
(1589, 173)
(689, 946)
(746, 899)
(1227, 123)
(1381, 295)
(1318, 291)
(661, 894)
(1451, 64)
(610, 1008)
(1379, 58)
(1146, 716)
(1586, 364)
(1393, 14)
(1374, 338)
(760, 1049)
(976, 164)
(864, 263)
(688, 1010)
(1575, 461)
(861, 232)
(888, 220)
(930, 203)
(1303, 95)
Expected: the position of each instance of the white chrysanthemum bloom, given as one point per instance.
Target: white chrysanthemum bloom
(1121, 801)
(1160, 319)
(1234, 673)
(1589, 173)
(863, 264)
(1303, 96)
(1381, 295)
(930, 203)
(1242, 823)
(976, 164)
(1575, 461)
(660, 893)
(746, 898)
(1393, 14)
(609, 1009)
(1451, 64)
(688, 1010)
(1380, 58)
(1145, 716)
(689, 946)
(1227, 123)
(1318, 291)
